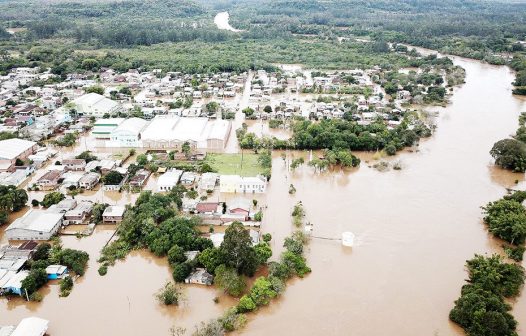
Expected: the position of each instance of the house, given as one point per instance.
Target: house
(79, 214)
(236, 183)
(208, 208)
(240, 207)
(188, 178)
(169, 180)
(15, 149)
(56, 272)
(50, 180)
(208, 181)
(14, 285)
(113, 214)
(139, 178)
(89, 180)
(34, 225)
(200, 276)
(74, 164)
(71, 179)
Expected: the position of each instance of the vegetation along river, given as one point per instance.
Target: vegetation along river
(415, 228)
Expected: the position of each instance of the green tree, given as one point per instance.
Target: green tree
(52, 198)
(176, 255)
(246, 304)
(510, 154)
(237, 251)
(181, 271)
(210, 258)
(95, 89)
(262, 292)
(227, 279)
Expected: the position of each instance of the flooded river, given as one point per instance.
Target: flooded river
(415, 228)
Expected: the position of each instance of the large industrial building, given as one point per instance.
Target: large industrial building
(163, 132)
(13, 149)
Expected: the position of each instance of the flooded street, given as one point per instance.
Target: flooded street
(415, 228)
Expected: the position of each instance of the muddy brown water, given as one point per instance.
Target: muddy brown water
(415, 228)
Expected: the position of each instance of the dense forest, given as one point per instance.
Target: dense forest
(274, 31)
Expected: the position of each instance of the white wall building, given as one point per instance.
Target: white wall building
(93, 104)
(171, 132)
(169, 180)
(128, 133)
(238, 184)
(35, 225)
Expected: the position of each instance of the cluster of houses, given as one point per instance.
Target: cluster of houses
(13, 268)
(43, 224)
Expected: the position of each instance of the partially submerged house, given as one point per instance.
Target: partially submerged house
(201, 277)
(113, 214)
(35, 225)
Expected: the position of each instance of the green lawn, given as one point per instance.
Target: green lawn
(235, 164)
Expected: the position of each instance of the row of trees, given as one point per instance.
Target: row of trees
(481, 308)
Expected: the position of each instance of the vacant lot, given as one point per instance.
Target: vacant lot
(235, 164)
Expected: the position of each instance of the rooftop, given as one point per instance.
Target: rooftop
(11, 148)
(36, 220)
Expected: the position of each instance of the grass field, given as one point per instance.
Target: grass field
(235, 164)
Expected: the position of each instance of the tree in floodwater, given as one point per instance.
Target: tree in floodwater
(510, 154)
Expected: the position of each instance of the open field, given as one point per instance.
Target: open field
(235, 164)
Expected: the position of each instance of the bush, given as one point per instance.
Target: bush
(169, 295)
(52, 198)
(35, 203)
(103, 270)
(246, 304)
(66, 285)
(510, 154)
(506, 219)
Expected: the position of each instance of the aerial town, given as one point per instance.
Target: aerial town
(164, 173)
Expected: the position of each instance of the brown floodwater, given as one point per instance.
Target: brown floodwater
(414, 230)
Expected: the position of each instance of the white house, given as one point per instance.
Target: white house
(208, 181)
(35, 225)
(169, 180)
(238, 184)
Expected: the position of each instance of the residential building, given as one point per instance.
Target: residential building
(74, 164)
(201, 277)
(208, 181)
(169, 180)
(56, 272)
(50, 180)
(140, 178)
(89, 180)
(238, 184)
(113, 214)
(79, 214)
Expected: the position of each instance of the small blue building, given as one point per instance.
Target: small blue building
(56, 272)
